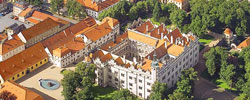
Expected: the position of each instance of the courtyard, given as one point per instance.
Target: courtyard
(47, 71)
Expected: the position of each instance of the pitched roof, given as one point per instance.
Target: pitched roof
(20, 92)
(60, 52)
(39, 28)
(175, 50)
(98, 31)
(142, 38)
(32, 20)
(25, 12)
(244, 44)
(147, 65)
(22, 61)
(10, 45)
(91, 4)
(111, 21)
(181, 1)
(228, 31)
(157, 32)
(118, 40)
(39, 16)
(143, 28)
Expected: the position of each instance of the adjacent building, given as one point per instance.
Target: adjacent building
(20, 92)
(3, 5)
(39, 32)
(144, 54)
(80, 39)
(181, 4)
(95, 7)
(10, 47)
(18, 7)
(243, 44)
(23, 63)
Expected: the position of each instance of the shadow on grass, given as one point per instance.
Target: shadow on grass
(219, 82)
(102, 93)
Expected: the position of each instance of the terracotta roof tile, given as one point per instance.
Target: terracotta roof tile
(10, 45)
(98, 32)
(157, 32)
(111, 21)
(32, 20)
(112, 44)
(20, 92)
(39, 28)
(106, 57)
(25, 12)
(143, 27)
(244, 44)
(142, 38)
(22, 61)
(60, 52)
(227, 31)
(42, 16)
(97, 6)
(147, 65)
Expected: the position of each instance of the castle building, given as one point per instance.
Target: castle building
(144, 54)
(181, 4)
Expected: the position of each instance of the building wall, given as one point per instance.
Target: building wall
(17, 11)
(12, 53)
(30, 68)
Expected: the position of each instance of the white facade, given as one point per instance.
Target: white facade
(136, 79)
(181, 5)
(12, 53)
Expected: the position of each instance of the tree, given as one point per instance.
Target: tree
(85, 94)
(158, 91)
(70, 82)
(210, 64)
(157, 12)
(123, 94)
(133, 13)
(6, 95)
(177, 17)
(184, 85)
(227, 73)
(56, 5)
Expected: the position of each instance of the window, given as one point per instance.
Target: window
(140, 87)
(130, 77)
(168, 73)
(148, 83)
(130, 84)
(13, 78)
(140, 81)
(41, 62)
(140, 94)
(116, 79)
(22, 72)
(45, 60)
(36, 65)
(17, 75)
(148, 90)
(172, 69)
(122, 75)
(122, 81)
(163, 78)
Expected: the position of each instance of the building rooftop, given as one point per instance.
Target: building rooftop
(37, 17)
(39, 28)
(244, 44)
(22, 61)
(9, 45)
(6, 21)
(97, 6)
(25, 12)
(19, 91)
(228, 31)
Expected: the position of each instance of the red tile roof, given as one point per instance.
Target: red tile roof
(244, 44)
(90, 4)
(39, 28)
(20, 92)
(10, 45)
(22, 61)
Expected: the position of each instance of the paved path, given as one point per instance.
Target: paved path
(203, 88)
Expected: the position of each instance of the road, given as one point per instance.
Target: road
(203, 88)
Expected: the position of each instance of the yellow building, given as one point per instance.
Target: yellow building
(23, 63)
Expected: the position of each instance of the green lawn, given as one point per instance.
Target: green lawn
(206, 39)
(102, 93)
(223, 84)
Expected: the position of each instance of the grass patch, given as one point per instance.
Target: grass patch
(217, 81)
(206, 39)
(102, 93)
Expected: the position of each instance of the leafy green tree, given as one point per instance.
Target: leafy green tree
(37, 3)
(123, 94)
(56, 5)
(70, 82)
(6, 95)
(227, 73)
(157, 12)
(179, 96)
(177, 17)
(158, 91)
(133, 13)
(85, 94)
(210, 64)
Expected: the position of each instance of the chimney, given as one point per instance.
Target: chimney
(134, 59)
(146, 28)
(158, 30)
(161, 35)
(171, 39)
(124, 56)
(166, 45)
(65, 33)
